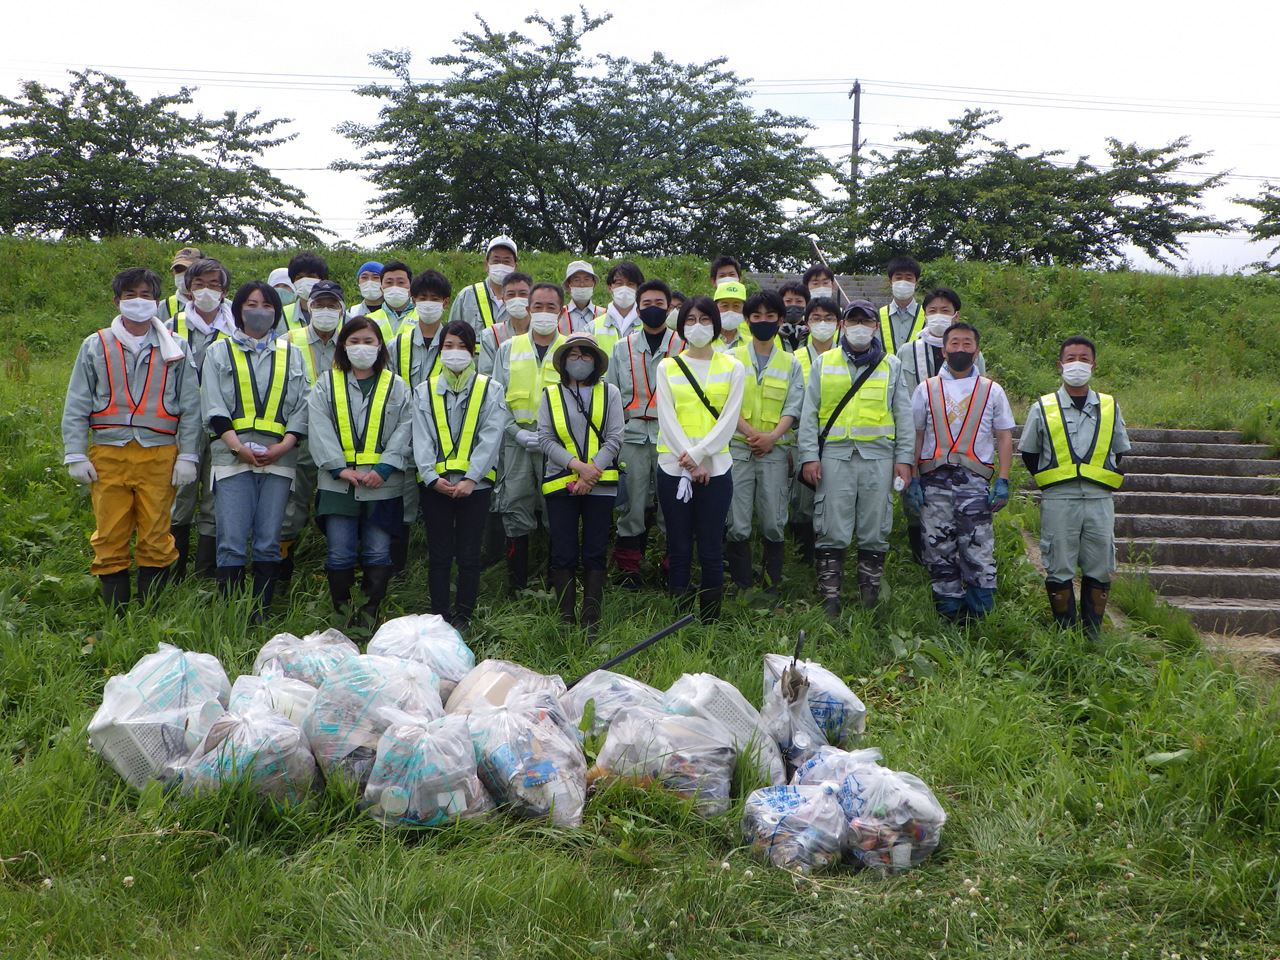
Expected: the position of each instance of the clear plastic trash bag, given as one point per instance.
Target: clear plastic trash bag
(309, 659)
(838, 711)
(427, 638)
(704, 695)
(493, 681)
(612, 693)
(275, 691)
(802, 829)
(259, 744)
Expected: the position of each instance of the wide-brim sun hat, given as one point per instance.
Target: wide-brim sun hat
(585, 341)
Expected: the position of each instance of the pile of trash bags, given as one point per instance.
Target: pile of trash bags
(428, 736)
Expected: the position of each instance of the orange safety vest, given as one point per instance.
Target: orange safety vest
(634, 409)
(148, 412)
(957, 450)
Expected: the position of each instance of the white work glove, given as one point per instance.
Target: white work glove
(529, 440)
(184, 472)
(684, 492)
(82, 471)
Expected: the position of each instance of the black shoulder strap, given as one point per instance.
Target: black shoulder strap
(844, 401)
(697, 388)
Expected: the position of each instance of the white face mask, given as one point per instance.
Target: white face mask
(518, 307)
(816, 292)
(500, 271)
(859, 336)
(362, 355)
(698, 334)
(456, 361)
(1076, 373)
(822, 330)
(581, 295)
(303, 287)
(671, 318)
(396, 297)
(371, 290)
(138, 309)
(730, 319)
(936, 324)
(180, 282)
(624, 298)
(207, 300)
(325, 319)
(429, 311)
(543, 323)
(903, 289)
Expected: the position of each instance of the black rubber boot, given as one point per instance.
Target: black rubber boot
(737, 554)
(517, 563)
(115, 589)
(804, 540)
(229, 579)
(1062, 602)
(265, 576)
(709, 604)
(592, 602)
(774, 553)
(340, 583)
(915, 538)
(830, 569)
(870, 572)
(284, 572)
(152, 579)
(374, 584)
(1093, 604)
(492, 551)
(182, 542)
(565, 586)
(400, 551)
(207, 557)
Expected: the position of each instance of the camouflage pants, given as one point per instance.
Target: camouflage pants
(959, 543)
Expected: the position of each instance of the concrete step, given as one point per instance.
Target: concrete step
(1197, 504)
(1254, 617)
(1241, 583)
(1199, 483)
(1199, 552)
(1214, 466)
(1239, 451)
(1164, 435)
(1174, 525)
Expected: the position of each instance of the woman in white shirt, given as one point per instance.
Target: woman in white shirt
(698, 402)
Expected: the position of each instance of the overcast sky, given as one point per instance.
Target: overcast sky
(1063, 75)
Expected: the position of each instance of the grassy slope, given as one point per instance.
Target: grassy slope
(1036, 745)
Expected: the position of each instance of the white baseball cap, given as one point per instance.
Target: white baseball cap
(502, 241)
(579, 266)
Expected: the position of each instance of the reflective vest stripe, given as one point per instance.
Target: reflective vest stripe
(606, 334)
(526, 377)
(482, 301)
(171, 305)
(560, 419)
(958, 450)
(360, 448)
(650, 394)
(149, 411)
(291, 319)
(1090, 465)
(254, 414)
(921, 355)
(692, 413)
(764, 395)
(298, 338)
(867, 416)
(404, 353)
(458, 459)
(887, 339)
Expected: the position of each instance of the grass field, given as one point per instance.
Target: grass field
(1122, 801)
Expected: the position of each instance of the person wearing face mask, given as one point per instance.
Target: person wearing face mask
(204, 319)
(515, 299)
(699, 402)
(481, 303)
(458, 421)
(620, 318)
(361, 429)
(794, 332)
(730, 296)
(677, 301)
(724, 268)
(253, 397)
(306, 269)
(821, 283)
(131, 433)
(580, 432)
(901, 320)
(633, 369)
(962, 420)
(397, 300)
(316, 343)
(855, 438)
(369, 283)
(822, 320)
(773, 394)
(176, 301)
(921, 359)
(279, 278)
(1072, 444)
(580, 285)
(525, 365)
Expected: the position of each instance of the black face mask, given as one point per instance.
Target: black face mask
(763, 330)
(795, 313)
(653, 317)
(959, 360)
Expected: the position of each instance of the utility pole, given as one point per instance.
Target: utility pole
(856, 95)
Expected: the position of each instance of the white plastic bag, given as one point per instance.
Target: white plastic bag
(839, 713)
(612, 693)
(152, 717)
(275, 691)
(704, 695)
(831, 764)
(688, 755)
(802, 829)
(786, 717)
(895, 821)
(427, 638)
(530, 759)
(492, 682)
(309, 659)
(261, 744)
(425, 772)
(346, 719)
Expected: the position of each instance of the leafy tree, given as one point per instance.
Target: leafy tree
(593, 154)
(1267, 228)
(96, 160)
(961, 193)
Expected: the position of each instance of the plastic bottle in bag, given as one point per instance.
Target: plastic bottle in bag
(275, 691)
(802, 829)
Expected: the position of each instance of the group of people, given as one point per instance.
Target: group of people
(517, 405)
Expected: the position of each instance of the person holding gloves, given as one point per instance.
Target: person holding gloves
(459, 417)
(131, 433)
(361, 428)
(253, 397)
(699, 402)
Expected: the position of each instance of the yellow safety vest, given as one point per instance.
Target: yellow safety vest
(404, 354)
(291, 319)
(458, 457)
(867, 416)
(524, 384)
(886, 330)
(692, 413)
(254, 414)
(180, 328)
(606, 334)
(360, 448)
(587, 454)
(171, 303)
(298, 337)
(1091, 465)
(389, 326)
(482, 301)
(763, 399)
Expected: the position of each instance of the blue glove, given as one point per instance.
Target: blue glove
(915, 494)
(998, 498)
